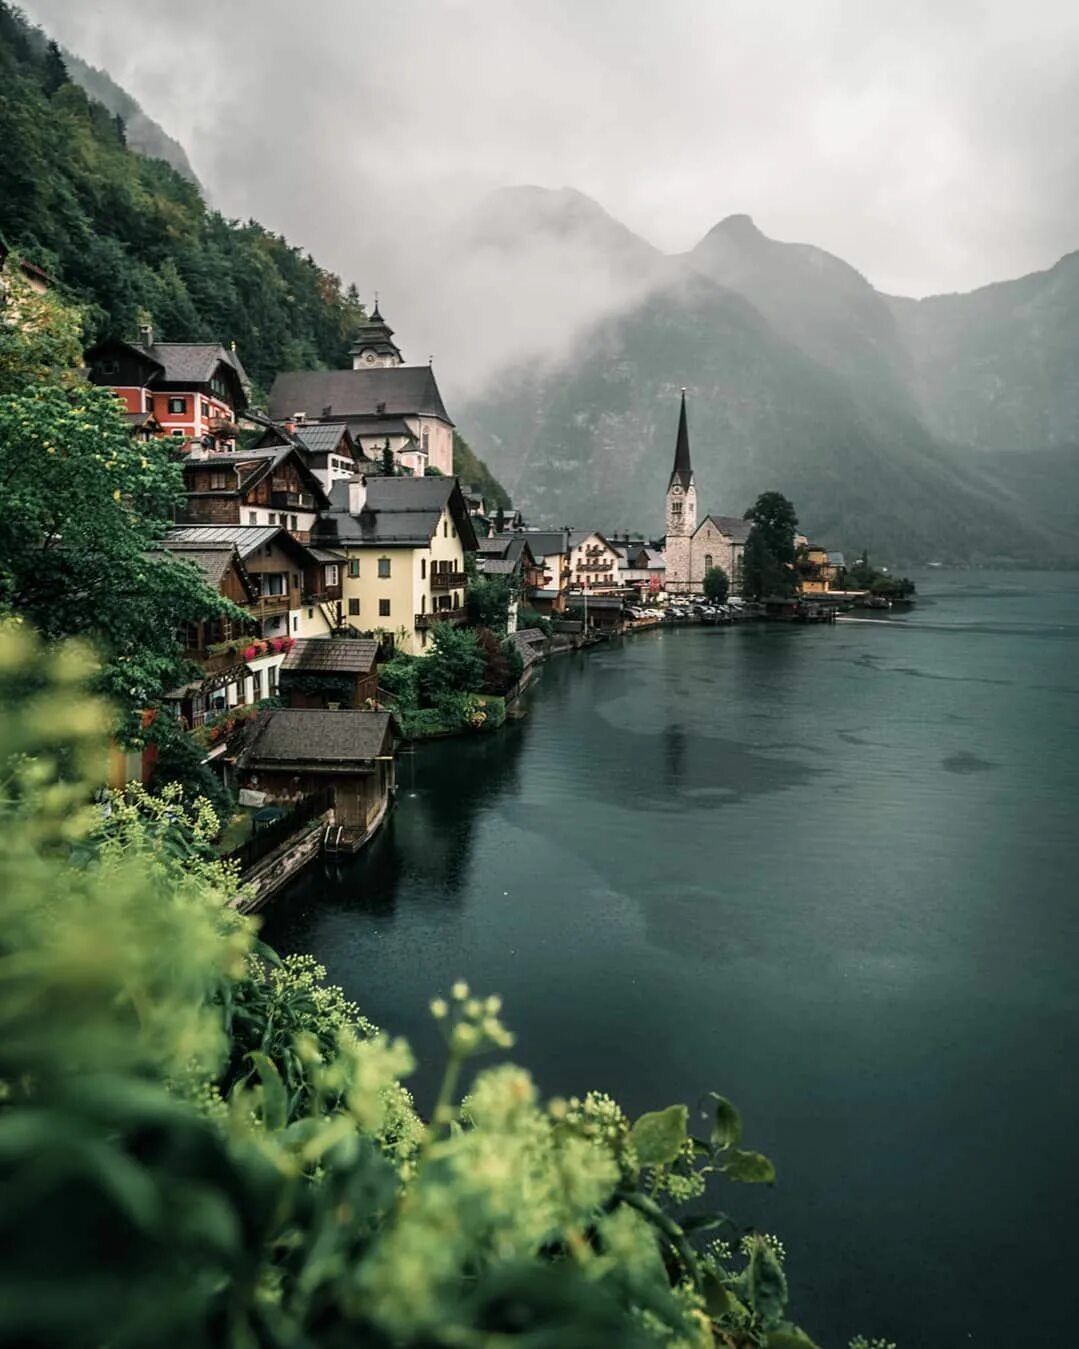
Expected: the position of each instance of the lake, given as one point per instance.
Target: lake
(829, 872)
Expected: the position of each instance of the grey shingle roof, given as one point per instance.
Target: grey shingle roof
(736, 530)
(379, 426)
(399, 390)
(399, 511)
(292, 735)
(247, 538)
(320, 437)
(545, 543)
(192, 362)
(212, 562)
(496, 566)
(332, 655)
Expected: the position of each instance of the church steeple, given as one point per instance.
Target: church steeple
(681, 509)
(682, 472)
(373, 344)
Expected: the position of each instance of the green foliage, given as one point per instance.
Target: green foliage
(488, 600)
(455, 664)
(389, 463)
(214, 1148)
(131, 237)
(40, 336)
(862, 575)
(529, 618)
(769, 553)
(84, 505)
(717, 585)
(475, 474)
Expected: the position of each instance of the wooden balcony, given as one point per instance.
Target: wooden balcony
(440, 616)
(448, 580)
(267, 605)
(296, 500)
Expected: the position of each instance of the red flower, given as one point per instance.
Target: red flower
(250, 652)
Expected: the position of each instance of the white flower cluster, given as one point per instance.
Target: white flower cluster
(471, 1024)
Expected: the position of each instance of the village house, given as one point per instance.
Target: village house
(692, 549)
(272, 486)
(296, 589)
(381, 400)
(509, 555)
(196, 391)
(293, 753)
(819, 571)
(327, 448)
(550, 549)
(593, 561)
(330, 672)
(32, 275)
(641, 567)
(403, 543)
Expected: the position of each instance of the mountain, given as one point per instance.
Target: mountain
(802, 378)
(996, 368)
(142, 133)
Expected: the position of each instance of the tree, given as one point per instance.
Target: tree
(717, 585)
(84, 507)
(389, 463)
(488, 600)
(769, 554)
(455, 664)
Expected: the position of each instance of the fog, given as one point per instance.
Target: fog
(930, 145)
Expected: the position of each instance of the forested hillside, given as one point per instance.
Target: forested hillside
(141, 132)
(131, 237)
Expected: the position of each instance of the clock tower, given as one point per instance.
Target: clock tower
(373, 345)
(681, 511)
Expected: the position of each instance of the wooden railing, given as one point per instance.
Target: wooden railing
(439, 616)
(448, 580)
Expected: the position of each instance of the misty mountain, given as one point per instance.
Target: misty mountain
(996, 368)
(802, 377)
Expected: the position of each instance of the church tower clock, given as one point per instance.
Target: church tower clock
(681, 511)
(373, 346)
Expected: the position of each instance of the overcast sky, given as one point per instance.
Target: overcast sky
(930, 143)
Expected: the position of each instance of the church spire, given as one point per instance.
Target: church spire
(683, 469)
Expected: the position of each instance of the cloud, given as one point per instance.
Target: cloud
(929, 145)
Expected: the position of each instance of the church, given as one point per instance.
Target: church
(381, 401)
(691, 548)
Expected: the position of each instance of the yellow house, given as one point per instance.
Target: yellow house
(818, 570)
(403, 543)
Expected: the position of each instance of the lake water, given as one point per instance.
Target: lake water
(829, 872)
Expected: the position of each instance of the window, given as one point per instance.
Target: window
(178, 405)
(354, 566)
(273, 583)
(179, 435)
(295, 581)
(295, 622)
(676, 509)
(218, 482)
(423, 604)
(331, 574)
(252, 517)
(310, 613)
(708, 561)
(445, 529)
(423, 569)
(108, 367)
(384, 567)
(147, 402)
(271, 679)
(205, 408)
(383, 608)
(425, 439)
(353, 606)
(256, 685)
(295, 524)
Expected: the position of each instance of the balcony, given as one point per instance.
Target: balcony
(448, 580)
(223, 428)
(440, 616)
(296, 500)
(597, 564)
(266, 605)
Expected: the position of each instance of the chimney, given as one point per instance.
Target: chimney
(299, 418)
(146, 334)
(357, 494)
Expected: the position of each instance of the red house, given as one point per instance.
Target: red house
(195, 391)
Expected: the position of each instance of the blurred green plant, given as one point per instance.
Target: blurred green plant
(202, 1144)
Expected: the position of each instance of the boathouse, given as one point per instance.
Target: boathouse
(296, 752)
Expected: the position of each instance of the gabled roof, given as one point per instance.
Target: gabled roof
(546, 542)
(192, 362)
(261, 463)
(213, 560)
(293, 735)
(342, 395)
(323, 437)
(381, 427)
(332, 655)
(401, 512)
(737, 530)
(579, 536)
(248, 539)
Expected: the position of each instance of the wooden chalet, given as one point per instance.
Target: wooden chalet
(272, 486)
(331, 672)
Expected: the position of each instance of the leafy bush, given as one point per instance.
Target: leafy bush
(529, 618)
(455, 664)
(213, 1148)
